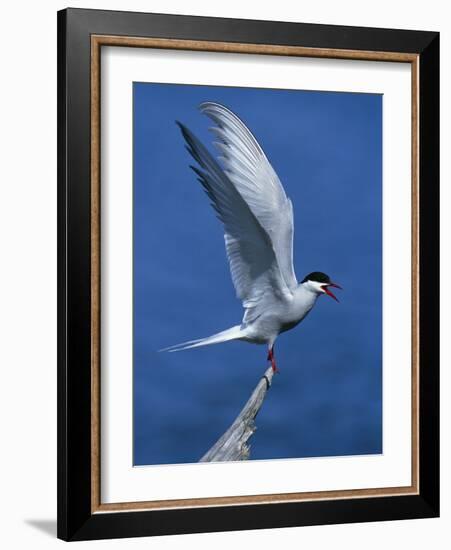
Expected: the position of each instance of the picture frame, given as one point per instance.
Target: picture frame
(81, 36)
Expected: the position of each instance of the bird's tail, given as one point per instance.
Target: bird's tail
(230, 334)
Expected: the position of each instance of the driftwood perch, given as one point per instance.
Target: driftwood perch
(233, 444)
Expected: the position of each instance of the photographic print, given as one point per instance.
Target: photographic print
(257, 244)
(248, 274)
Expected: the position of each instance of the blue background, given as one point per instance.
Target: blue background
(327, 400)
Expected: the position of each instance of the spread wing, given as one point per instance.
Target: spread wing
(250, 172)
(253, 261)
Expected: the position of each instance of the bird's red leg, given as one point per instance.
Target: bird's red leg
(271, 357)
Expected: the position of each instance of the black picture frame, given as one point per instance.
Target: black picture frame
(76, 520)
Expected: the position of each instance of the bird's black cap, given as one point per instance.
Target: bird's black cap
(318, 277)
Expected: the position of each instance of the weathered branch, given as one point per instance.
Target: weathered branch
(233, 444)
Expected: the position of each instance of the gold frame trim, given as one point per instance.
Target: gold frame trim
(97, 41)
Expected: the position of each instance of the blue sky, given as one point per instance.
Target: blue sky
(326, 148)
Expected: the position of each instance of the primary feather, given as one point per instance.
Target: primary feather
(247, 167)
(252, 205)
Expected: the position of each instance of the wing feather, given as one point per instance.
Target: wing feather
(247, 167)
(253, 262)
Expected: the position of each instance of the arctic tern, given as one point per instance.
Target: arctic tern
(257, 216)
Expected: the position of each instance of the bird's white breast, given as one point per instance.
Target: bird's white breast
(302, 302)
(280, 315)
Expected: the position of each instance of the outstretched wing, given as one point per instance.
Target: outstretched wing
(247, 167)
(253, 262)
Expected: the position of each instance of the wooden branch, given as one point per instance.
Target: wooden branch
(233, 444)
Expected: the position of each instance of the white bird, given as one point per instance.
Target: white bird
(257, 216)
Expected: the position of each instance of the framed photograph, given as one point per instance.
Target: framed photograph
(224, 183)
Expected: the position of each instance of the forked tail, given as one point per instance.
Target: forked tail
(230, 334)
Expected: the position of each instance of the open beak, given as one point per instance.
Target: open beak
(329, 292)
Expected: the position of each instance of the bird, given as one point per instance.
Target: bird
(257, 218)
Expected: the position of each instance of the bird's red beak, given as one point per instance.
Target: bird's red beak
(329, 292)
